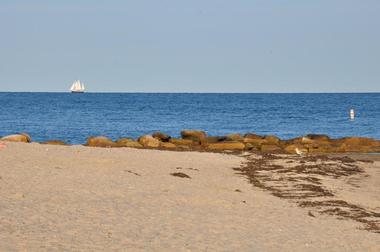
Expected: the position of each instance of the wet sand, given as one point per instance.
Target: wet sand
(75, 198)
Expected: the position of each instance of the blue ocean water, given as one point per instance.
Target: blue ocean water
(74, 117)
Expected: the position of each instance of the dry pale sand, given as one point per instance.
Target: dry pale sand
(57, 198)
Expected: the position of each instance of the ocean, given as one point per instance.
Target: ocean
(74, 117)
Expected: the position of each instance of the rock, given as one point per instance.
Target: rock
(364, 141)
(234, 137)
(318, 137)
(100, 141)
(249, 146)
(297, 140)
(122, 142)
(149, 141)
(254, 141)
(291, 149)
(357, 148)
(23, 137)
(133, 144)
(357, 144)
(322, 147)
(161, 136)
(195, 135)
(306, 140)
(167, 145)
(252, 136)
(54, 142)
(183, 147)
(182, 142)
(272, 139)
(226, 146)
(270, 148)
(215, 139)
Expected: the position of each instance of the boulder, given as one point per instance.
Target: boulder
(183, 147)
(133, 144)
(149, 141)
(357, 144)
(167, 145)
(252, 136)
(357, 148)
(254, 141)
(100, 141)
(234, 137)
(195, 135)
(249, 146)
(364, 141)
(54, 142)
(318, 137)
(270, 148)
(182, 142)
(306, 140)
(297, 140)
(23, 137)
(215, 139)
(320, 147)
(161, 136)
(122, 142)
(270, 139)
(226, 146)
(292, 148)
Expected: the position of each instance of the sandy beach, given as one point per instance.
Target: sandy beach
(76, 198)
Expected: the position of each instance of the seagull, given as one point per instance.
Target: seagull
(299, 152)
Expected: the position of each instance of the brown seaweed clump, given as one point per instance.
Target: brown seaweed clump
(300, 180)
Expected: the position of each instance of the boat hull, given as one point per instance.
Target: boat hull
(77, 92)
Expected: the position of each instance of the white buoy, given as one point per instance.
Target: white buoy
(352, 114)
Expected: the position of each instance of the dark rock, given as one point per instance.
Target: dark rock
(318, 137)
(195, 135)
(215, 139)
(234, 137)
(161, 136)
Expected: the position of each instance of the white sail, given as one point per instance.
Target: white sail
(77, 87)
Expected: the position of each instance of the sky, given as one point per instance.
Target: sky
(191, 46)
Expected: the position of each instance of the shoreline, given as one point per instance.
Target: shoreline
(198, 140)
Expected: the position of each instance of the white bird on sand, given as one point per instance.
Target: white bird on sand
(299, 152)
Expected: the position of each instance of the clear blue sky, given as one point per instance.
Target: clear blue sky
(191, 45)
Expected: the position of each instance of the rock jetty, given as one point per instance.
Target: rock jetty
(196, 140)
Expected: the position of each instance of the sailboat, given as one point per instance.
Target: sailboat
(77, 87)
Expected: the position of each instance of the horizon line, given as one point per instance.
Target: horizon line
(195, 92)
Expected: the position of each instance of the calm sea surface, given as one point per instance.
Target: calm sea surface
(74, 117)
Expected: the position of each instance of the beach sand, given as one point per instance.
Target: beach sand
(75, 198)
